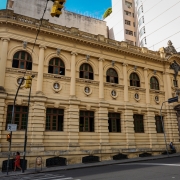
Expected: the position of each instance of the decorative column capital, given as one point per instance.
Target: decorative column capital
(5, 39)
(125, 64)
(42, 47)
(74, 53)
(101, 59)
(146, 69)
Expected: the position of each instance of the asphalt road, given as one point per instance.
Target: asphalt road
(162, 169)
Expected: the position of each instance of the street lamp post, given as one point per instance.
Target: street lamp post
(170, 100)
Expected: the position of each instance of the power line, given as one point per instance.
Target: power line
(162, 13)
(164, 39)
(163, 26)
(152, 7)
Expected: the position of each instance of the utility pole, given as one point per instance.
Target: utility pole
(170, 100)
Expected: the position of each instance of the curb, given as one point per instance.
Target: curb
(94, 165)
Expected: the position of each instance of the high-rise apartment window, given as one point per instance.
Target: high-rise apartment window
(134, 34)
(20, 116)
(86, 121)
(129, 32)
(134, 24)
(128, 22)
(159, 127)
(138, 2)
(128, 4)
(127, 13)
(141, 21)
(140, 10)
(143, 42)
(138, 123)
(114, 122)
(129, 42)
(54, 119)
(142, 31)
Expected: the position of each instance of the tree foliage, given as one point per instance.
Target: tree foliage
(107, 13)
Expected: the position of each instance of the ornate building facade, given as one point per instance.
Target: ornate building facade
(90, 95)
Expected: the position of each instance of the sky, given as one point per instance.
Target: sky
(85, 7)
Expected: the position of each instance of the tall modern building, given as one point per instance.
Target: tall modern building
(147, 23)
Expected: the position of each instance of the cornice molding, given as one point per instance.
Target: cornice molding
(153, 91)
(68, 33)
(57, 77)
(20, 71)
(87, 81)
(113, 85)
(134, 88)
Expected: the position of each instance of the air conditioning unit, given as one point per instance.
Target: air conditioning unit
(129, 6)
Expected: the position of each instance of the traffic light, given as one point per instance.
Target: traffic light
(28, 82)
(57, 7)
(9, 137)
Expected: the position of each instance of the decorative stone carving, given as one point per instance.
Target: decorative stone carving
(56, 86)
(136, 97)
(58, 51)
(114, 94)
(176, 67)
(87, 57)
(170, 49)
(87, 90)
(24, 44)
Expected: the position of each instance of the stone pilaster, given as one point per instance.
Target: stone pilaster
(73, 124)
(101, 79)
(127, 117)
(73, 75)
(37, 124)
(40, 69)
(103, 124)
(3, 60)
(126, 98)
(2, 112)
(147, 85)
(150, 129)
(167, 85)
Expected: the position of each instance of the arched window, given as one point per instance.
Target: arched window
(134, 80)
(56, 66)
(22, 60)
(86, 71)
(111, 76)
(154, 84)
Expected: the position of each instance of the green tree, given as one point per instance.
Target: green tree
(107, 13)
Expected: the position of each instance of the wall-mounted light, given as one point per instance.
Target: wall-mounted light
(155, 72)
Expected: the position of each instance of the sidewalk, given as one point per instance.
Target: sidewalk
(81, 165)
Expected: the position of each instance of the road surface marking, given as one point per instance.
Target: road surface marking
(150, 164)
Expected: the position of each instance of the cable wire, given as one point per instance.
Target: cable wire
(164, 39)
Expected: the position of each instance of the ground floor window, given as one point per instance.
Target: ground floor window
(54, 119)
(20, 116)
(114, 122)
(159, 127)
(138, 123)
(86, 121)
